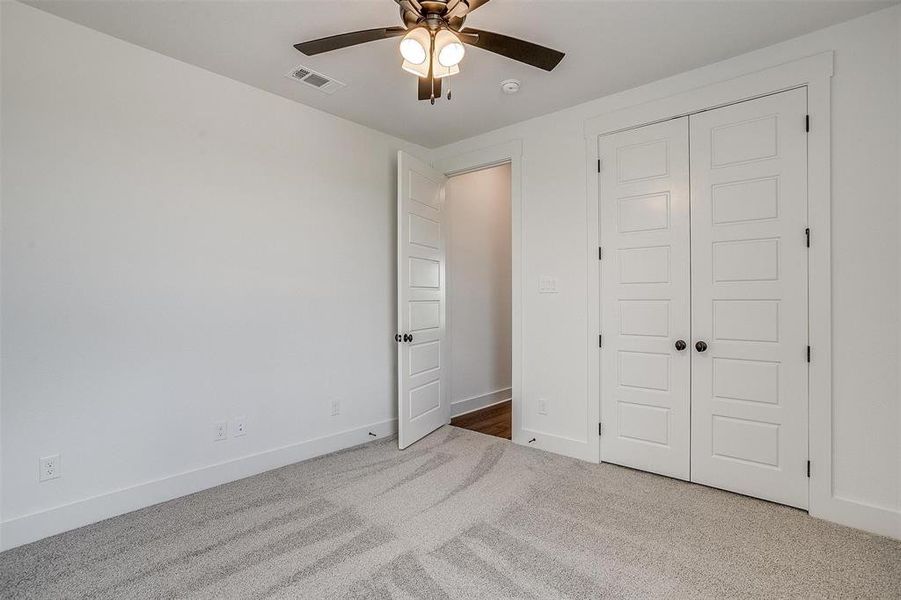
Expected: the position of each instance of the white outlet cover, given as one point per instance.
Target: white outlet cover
(220, 431)
(547, 285)
(239, 426)
(542, 407)
(336, 408)
(49, 467)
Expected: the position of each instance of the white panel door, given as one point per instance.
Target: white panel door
(422, 403)
(645, 294)
(749, 298)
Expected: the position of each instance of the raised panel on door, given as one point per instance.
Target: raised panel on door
(422, 391)
(645, 298)
(749, 298)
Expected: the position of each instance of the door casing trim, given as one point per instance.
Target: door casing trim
(484, 158)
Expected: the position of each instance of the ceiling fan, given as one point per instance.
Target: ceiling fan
(433, 38)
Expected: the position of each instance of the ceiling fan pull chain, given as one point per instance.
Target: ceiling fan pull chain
(432, 65)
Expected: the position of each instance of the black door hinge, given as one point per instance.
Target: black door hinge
(600, 253)
(808, 468)
(807, 235)
(807, 123)
(600, 341)
(808, 353)
(599, 165)
(599, 428)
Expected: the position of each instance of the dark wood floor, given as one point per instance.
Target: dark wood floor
(495, 420)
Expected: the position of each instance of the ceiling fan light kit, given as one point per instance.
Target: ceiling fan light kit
(420, 48)
(433, 42)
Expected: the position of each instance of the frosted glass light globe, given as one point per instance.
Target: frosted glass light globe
(413, 46)
(449, 48)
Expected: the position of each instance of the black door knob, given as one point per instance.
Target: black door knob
(397, 337)
(680, 345)
(701, 346)
(408, 337)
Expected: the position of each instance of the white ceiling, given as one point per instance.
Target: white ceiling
(610, 46)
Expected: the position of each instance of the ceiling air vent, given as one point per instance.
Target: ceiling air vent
(316, 80)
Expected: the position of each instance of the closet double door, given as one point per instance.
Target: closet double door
(704, 298)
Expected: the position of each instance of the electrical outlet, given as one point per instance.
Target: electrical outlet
(220, 431)
(239, 426)
(49, 467)
(542, 407)
(336, 408)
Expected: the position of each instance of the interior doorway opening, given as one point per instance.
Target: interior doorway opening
(483, 328)
(479, 299)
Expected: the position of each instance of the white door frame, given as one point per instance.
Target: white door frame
(511, 153)
(815, 73)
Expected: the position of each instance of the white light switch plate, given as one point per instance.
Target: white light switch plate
(547, 285)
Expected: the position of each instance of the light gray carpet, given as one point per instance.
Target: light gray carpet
(458, 515)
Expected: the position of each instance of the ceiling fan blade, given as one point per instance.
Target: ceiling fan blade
(425, 88)
(527, 52)
(335, 42)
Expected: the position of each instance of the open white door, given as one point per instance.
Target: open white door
(422, 404)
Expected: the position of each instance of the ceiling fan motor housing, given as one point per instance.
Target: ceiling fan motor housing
(433, 14)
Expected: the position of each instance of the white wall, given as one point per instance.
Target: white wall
(865, 211)
(178, 248)
(479, 287)
(899, 259)
(2, 227)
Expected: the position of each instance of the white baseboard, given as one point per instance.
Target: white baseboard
(557, 444)
(860, 515)
(468, 405)
(35, 526)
